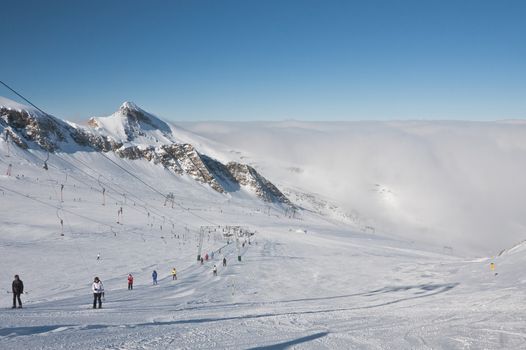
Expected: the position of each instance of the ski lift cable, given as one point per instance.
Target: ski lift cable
(63, 210)
(95, 179)
(54, 189)
(22, 97)
(53, 206)
(110, 187)
(3, 161)
(128, 172)
(78, 246)
(120, 188)
(154, 189)
(81, 182)
(62, 218)
(131, 195)
(57, 208)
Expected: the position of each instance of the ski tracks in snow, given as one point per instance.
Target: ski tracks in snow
(271, 300)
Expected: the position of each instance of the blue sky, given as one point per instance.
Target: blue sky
(269, 60)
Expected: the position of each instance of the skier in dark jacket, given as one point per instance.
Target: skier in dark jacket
(154, 277)
(17, 289)
(224, 261)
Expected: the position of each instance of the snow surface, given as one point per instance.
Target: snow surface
(328, 288)
(314, 279)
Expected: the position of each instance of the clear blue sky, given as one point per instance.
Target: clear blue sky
(269, 60)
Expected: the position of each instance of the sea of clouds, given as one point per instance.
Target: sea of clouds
(456, 184)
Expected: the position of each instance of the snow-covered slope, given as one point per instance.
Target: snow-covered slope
(313, 275)
(134, 134)
(304, 281)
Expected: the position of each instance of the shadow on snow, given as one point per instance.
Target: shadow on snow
(421, 291)
(289, 343)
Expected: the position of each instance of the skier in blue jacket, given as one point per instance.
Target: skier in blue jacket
(154, 277)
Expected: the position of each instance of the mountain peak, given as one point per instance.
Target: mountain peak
(129, 106)
(138, 119)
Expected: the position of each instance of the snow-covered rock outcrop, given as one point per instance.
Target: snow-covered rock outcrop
(246, 175)
(131, 133)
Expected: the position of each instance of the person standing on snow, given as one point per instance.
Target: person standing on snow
(130, 281)
(97, 289)
(224, 261)
(174, 274)
(154, 277)
(17, 289)
(214, 270)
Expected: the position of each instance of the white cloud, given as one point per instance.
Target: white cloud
(455, 183)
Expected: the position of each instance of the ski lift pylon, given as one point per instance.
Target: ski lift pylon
(45, 162)
(61, 223)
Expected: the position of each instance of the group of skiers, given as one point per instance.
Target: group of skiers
(98, 287)
(154, 276)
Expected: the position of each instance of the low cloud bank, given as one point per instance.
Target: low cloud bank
(458, 184)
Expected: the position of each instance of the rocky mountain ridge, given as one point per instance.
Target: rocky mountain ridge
(132, 133)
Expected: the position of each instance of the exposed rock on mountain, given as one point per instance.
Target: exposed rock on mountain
(245, 175)
(131, 133)
(44, 130)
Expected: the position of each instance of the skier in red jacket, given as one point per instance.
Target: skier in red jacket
(130, 281)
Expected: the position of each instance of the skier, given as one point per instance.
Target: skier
(17, 289)
(174, 274)
(154, 277)
(202, 261)
(224, 261)
(130, 281)
(492, 268)
(97, 289)
(98, 256)
(214, 270)
(212, 256)
(206, 256)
